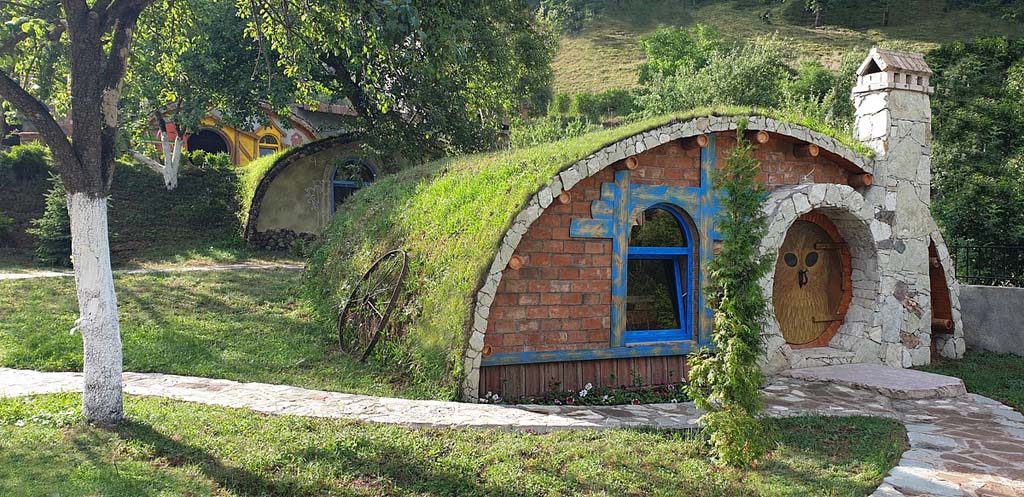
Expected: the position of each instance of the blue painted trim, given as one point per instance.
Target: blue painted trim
(709, 208)
(350, 184)
(620, 252)
(655, 350)
(684, 309)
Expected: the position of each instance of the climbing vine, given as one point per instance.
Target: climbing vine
(725, 382)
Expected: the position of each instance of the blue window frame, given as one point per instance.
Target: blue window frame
(349, 175)
(659, 275)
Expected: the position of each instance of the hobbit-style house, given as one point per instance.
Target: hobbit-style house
(301, 190)
(584, 261)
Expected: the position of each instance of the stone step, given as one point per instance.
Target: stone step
(901, 384)
(820, 356)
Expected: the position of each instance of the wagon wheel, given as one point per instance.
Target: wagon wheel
(368, 308)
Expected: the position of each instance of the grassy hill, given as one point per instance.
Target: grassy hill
(606, 53)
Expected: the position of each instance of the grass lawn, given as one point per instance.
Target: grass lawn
(181, 449)
(606, 54)
(240, 325)
(998, 376)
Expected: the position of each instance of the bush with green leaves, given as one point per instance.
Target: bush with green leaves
(52, 232)
(24, 163)
(725, 382)
(978, 149)
(669, 51)
(751, 75)
(548, 129)
(6, 224)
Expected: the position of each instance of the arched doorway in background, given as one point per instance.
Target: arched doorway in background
(208, 141)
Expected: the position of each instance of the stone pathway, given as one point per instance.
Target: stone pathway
(960, 445)
(33, 274)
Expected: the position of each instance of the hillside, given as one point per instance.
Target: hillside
(606, 53)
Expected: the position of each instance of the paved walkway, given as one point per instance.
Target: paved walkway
(33, 274)
(960, 445)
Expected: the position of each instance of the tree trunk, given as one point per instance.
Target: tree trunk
(97, 303)
(817, 18)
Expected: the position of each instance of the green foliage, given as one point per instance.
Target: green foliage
(425, 77)
(24, 163)
(186, 449)
(670, 51)
(191, 56)
(547, 129)
(822, 94)
(726, 382)
(52, 232)
(6, 224)
(978, 154)
(567, 15)
(749, 75)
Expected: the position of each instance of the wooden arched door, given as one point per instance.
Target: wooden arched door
(811, 283)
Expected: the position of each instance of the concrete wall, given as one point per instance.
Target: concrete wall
(991, 317)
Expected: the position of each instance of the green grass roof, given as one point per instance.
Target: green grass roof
(450, 215)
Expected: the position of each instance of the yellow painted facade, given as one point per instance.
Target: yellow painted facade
(246, 146)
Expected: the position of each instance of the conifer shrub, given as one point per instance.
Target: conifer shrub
(725, 382)
(52, 231)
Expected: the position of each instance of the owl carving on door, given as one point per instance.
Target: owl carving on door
(808, 286)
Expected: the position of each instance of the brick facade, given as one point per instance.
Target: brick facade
(560, 299)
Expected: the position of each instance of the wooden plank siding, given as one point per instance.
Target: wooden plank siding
(518, 380)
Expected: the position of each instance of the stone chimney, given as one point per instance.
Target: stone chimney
(893, 117)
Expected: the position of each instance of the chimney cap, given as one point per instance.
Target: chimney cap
(882, 60)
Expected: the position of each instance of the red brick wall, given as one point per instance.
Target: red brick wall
(561, 298)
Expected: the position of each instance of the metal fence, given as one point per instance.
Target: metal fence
(996, 265)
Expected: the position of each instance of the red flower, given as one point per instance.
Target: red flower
(636, 402)
(570, 401)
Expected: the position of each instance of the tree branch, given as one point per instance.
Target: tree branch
(39, 115)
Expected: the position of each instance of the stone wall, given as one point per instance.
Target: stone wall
(991, 316)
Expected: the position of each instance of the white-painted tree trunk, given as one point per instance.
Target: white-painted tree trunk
(97, 304)
(172, 161)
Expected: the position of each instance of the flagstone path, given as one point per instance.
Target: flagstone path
(33, 274)
(960, 444)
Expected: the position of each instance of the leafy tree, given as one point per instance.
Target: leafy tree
(978, 178)
(52, 231)
(424, 76)
(818, 7)
(670, 50)
(49, 50)
(749, 75)
(209, 64)
(726, 382)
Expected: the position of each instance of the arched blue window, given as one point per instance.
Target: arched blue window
(659, 272)
(349, 175)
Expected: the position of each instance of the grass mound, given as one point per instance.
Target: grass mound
(450, 216)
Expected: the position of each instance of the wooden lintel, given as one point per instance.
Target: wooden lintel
(806, 150)
(861, 180)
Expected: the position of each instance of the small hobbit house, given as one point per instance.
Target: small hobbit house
(584, 261)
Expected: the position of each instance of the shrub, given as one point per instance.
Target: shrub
(25, 162)
(548, 129)
(751, 75)
(726, 382)
(53, 231)
(6, 224)
(670, 50)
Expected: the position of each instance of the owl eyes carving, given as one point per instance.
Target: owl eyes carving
(790, 259)
(811, 259)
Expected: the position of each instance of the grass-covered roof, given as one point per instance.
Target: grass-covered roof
(450, 216)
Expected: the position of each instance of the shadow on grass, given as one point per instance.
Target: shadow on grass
(176, 453)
